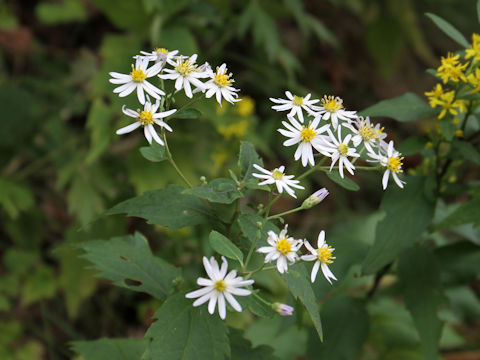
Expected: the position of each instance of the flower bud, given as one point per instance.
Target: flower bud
(283, 309)
(316, 198)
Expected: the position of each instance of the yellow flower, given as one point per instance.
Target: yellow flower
(459, 133)
(435, 95)
(474, 80)
(474, 50)
(246, 107)
(451, 69)
(450, 105)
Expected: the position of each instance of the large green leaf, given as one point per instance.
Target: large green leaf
(298, 281)
(408, 212)
(345, 321)
(468, 212)
(168, 207)
(407, 107)
(242, 348)
(129, 263)
(449, 29)
(182, 331)
(460, 262)
(118, 349)
(246, 158)
(224, 246)
(419, 277)
(344, 182)
(223, 191)
(155, 152)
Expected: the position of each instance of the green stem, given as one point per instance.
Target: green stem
(172, 162)
(312, 169)
(262, 300)
(285, 213)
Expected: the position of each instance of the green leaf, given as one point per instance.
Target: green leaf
(129, 263)
(248, 225)
(407, 107)
(447, 127)
(298, 281)
(224, 246)
(126, 14)
(177, 37)
(39, 284)
(182, 331)
(118, 349)
(478, 10)
(258, 307)
(449, 29)
(419, 277)
(412, 145)
(188, 113)
(344, 182)
(62, 12)
(242, 348)
(167, 207)
(467, 213)
(155, 152)
(408, 212)
(459, 262)
(345, 321)
(15, 197)
(84, 201)
(320, 30)
(223, 191)
(466, 151)
(99, 122)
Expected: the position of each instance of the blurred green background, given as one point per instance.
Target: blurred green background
(61, 164)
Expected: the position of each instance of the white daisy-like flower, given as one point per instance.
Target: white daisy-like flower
(332, 109)
(147, 118)
(278, 177)
(282, 248)
(220, 287)
(337, 149)
(220, 85)
(159, 55)
(322, 256)
(185, 73)
(137, 80)
(393, 163)
(366, 132)
(295, 104)
(305, 136)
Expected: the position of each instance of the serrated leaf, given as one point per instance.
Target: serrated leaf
(182, 331)
(449, 29)
(408, 212)
(344, 182)
(167, 207)
(188, 113)
(465, 150)
(246, 158)
(468, 212)
(407, 107)
(222, 190)
(419, 277)
(118, 349)
(129, 263)
(155, 152)
(224, 246)
(298, 282)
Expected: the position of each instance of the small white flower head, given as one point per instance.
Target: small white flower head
(137, 80)
(282, 248)
(305, 136)
(338, 149)
(147, 118)
(316, 198)
(185, 73)
(283, 309)
(393, 163)
(365, 132)
(332, 109)
(220, 85)
(278, 177)
(219, 287)
(295, 104)
(159, 55)
(323, 256)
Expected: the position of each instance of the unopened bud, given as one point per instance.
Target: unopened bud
(283, 309)
(316, 198)
(203, 180)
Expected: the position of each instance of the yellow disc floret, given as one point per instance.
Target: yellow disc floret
(342, 149)
(146, 117)
(394, 164)
(332, 104)
(297, 100)
(325, 255)
(161, 51)
(283, 246)
(277, 174)
(307, 134)
(222, 79)
(138, 75)
(184, 68)
(220, 286)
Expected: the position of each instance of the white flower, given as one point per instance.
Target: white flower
(283, 309)
(282, 248)
(278, 177)
(147, 118)
(305, 136)
(220, 85)
(322, 257)
(185, 73)
(339, 150)
(294, 104)
(137, 80)
(364, 131)
(393, 163)
(220, 287)
(159, 55)
(332, 108)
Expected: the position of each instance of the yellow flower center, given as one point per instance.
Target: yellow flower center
(185, 68)
(146, 117)
(343, 149)
(367, 132)
(307, 134)
(297, 100)
(138, 75)
(325, 255)
(332, 104)
(161, 51)
(220, 285)
(222, 79)
(283, 246)
(277, 174)
(394, 164)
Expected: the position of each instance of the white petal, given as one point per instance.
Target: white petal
(222, 308)
(315, 271)
(128, 128)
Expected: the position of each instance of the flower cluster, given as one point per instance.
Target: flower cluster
(335, 133)
(168, 65)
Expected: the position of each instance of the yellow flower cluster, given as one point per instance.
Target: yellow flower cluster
(446, 100)
(451, 69)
